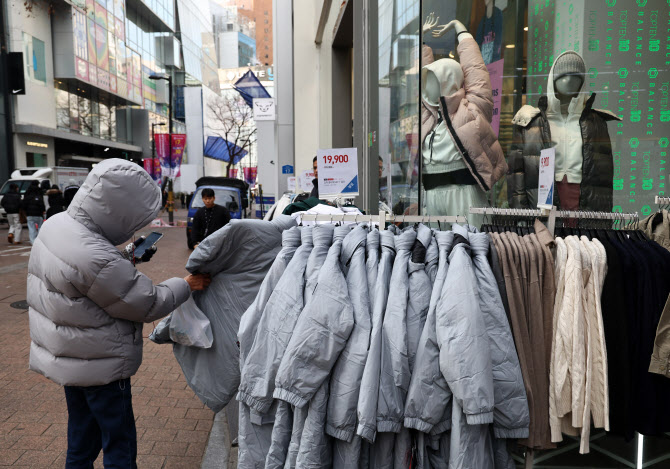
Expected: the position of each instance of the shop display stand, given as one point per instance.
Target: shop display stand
(382, 218)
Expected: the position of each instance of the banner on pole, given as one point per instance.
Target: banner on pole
(178, 147)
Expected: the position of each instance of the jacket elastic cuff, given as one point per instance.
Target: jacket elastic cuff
(388, 426)
(441, 427)
(660, 366)
(500, 432)
(479, 419)
(179, 288)
(418, 424)
(367, 433)
(261, 405)
(290, 397)
(556, 433)
(344, 435)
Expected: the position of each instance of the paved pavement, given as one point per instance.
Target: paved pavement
(173, 426)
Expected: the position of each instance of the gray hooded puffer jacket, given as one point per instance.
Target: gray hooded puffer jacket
(274, 330)
(346, 378)
(510, 415)
(87, 302)
(432, 257)
(254, 440)
(320, 334)
(372, 264)
(427, 407)
(369, 393)
(395, 374)
(465, 354)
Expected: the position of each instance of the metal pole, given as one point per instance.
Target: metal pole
(170, 193)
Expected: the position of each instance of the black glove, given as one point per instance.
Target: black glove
(129, 252)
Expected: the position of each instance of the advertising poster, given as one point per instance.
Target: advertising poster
(496, 73)
(119, 29)
(113, 84)
(305, 181)
(338, 171)
(79, 31)
(122, 88)
(101, 15)
(250, 174)
(81, 69)
(162, 143)
(111, 44)
(92, 74)
(91, 40)
(90, 9)
(232, 173)
(178, 148)
(121, 64)
(120, 9)
(101, 50)
(137, 70)
(103, 79)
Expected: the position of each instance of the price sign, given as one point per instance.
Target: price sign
(545, 196)
(338, 172)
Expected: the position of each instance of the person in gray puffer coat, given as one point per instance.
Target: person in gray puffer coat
(87, 303)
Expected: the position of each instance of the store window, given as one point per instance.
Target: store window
(35, 59)
(36, 160)
(467, 96)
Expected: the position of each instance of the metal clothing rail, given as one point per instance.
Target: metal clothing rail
(382, 218)
(552, 214)
(662, 200)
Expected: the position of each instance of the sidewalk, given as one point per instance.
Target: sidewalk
(173, 426)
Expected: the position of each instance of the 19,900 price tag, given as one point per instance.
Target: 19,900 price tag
(338, 172)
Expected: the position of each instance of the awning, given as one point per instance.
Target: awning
(220, 149)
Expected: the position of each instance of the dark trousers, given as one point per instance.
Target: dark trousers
(101, 417)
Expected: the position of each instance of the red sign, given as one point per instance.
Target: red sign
(178, 147)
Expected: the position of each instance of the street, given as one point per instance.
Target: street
(173, 426)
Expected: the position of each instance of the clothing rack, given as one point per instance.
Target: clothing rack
(662, 200)
(553, 213)
(382, 218)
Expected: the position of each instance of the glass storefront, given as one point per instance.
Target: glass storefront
(467, 94)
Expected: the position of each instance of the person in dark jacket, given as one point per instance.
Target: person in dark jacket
(33, 205)
(182, 198)
(209, 218)
(315, 181)
(565, 120)
(56, 201)
(11, 202)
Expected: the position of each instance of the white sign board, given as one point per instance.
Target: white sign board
(291, 183)
(338, 172)
(545, 196)
(305, 181)
(264, 109)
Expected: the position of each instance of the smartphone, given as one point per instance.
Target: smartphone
(148, 243)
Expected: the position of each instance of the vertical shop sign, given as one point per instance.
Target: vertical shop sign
(162, 143)
(496, 73)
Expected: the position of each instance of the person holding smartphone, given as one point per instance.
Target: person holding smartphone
(87, 304)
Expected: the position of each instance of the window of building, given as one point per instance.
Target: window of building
(34, 58)
(36, 160)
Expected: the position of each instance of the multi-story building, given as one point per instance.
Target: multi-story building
(260, 13)
(87, 67)
(234, 36)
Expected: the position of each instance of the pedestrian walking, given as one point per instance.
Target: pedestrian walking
(56, 201)
(209, 218)
(33, 205)
(11, 202)
(87, 303)
(182, 197)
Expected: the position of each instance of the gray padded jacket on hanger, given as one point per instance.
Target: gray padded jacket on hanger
(420, 290)
(372, 264)
(369, 393)
(275, 329)
(227, 254)
(465, 356)
(394, 371)
(254, 441)
(427, 407)
(510, 415)
(320, 335)
(432, 257)
(86, 301)
(346, 376)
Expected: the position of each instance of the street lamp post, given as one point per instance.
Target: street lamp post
(153, 138)
(168, 78)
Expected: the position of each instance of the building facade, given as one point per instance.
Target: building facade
(87, 68)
